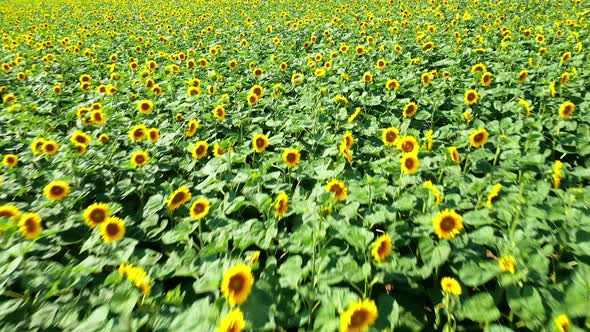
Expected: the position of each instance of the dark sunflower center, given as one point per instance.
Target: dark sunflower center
(260, 142)
(471, 96)
(409, 163)
(568, 109)
(200, 150)
(140, 159)
(80, 139)
(411, 108)
(408, 146)
(478, 138)
(145, 106)
(236, 283)
(112, 229)
(390, 136)
(98, 216)
(257, 91)
(291, 157)
(447, 224)
(382, 250)
(178, 198)
(336, 189)
(252, 99)
(30, 225)
(358, 319)
(138, 133)
(57, 190)
(199, 208)
(50, 147)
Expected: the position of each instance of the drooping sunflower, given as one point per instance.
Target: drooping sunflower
(447, 224)
(493, 195)
(200, 149)
(200, 208)
(291, 157)
(562, 323)
(56, 190)
(30, 225)
(486, 79)
(408, 144)
(237, 283)
(382, 248)
(10, 211)
(507, 263)
(451, 286)
(232, 322)
(410, 163)
(471, 97)
(359, 316)
(281, 205)
(112, 229)
(410, 109)
(145, 106)
(454, 154)
(478, 137)
(566, 109)
(50, 147)
(348, 139)
(139, 158)
(191, 128)
(338, 189)
(390, 136)
(96, 214)
(178, 197)
(10, 160)
(138, 133)
(260, 142)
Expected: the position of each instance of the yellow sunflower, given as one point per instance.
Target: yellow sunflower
(562, 323)
(96, 214)
(454, 154)
(281, 205)
(486, 79)
(410, 163)
(348, 139)
(112, 229)
(56, 190)
(493, 195)
(259, 142)
(471, 97)
(30, 225)
(232, 322)
(10, 160)
(178, 197)
(507, 263)
(138, 133)
(291, 157)
(252, 99)
(237, 283)
(200, 149)
(153, 134)
(451, 286)
(139, 158)
(80, 138)
(410, 109)
(390, 136)
(10, 211)
(566, 109)
(359, 316)
(200, 208)
(37, 145)
(219, 112)
(408, 144)
(478, 137)
(145, 106)
(426, 79)
(392, 84)
(98, 117)
(447, 224)
(432, 187)
(191, 128)
(338, 189)
(381, 248)
(50, 147)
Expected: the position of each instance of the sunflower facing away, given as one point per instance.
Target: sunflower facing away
(200, 208)
(96, 214)
(30, 225)
(232, 322)
(259, 142)
(338, 189)
(237, 284)
(281, 205)
(447, 224)
(451, 286)
(381, 248)
(359, 316)
(478, 137)
(112, 229)
(56, 190)
(178, 197)
(291, 157)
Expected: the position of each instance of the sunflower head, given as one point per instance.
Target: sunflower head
(79, 137)
(50, 147)
(200, 208)
(252, 99)
(139, 158)
(145, 106)
(178, 197)
(471, 97)
(566, 109)
(219, 112)
(426, 79)
(381, 248)
(112, 229)
(410, 109)
(507, 263)
(237, 283)
(191, 128)
(96, 214)
(200, 149)
(37, 145)
(337, 188)
(359, 316)
(260, 142)
(390, 136)
(281, 204)
(408, 144)
(153, 134)
(450, 286)
(447, 224)
(10, 211)
(410, 163)
(232, 322)
(10, 160)
(291, 157)
(478, 137)
(348, 139)
(138, 133)
(30, 225)
(56, 190)
(486, 79)
(562, 323)
(392, 84)
(454, 154)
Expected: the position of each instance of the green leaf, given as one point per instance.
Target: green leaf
(291, 272)
(480, 308)
(154, 204)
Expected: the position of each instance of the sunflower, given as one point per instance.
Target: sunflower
(112, 229)
(348, 139)
(178, 197)
(37, 145)
(338, 189)
(30, 225)
(381, 248)
(408, 144)
(392, 84)
(432, 187)
(493, 196)
(191, 128)
(232, 322)
(447, 224)
(79, 137)
(426, 79)
(565, 57)
(193, 91)
(410, 163)
(557, 173)
(9, 97)
(478, 137)
(200, 149)
(359, 316)
(451, 286)
(139, 158)
(98, 117)
(257, 90)
(291, 157)
(507, 263)
(566, 109)
(410, 109)
(367, 77)
(217, 150)
(471, 97)
(354, 115)
(281, 205)
(259, 142)
(10, 211)
(138, 133)
(562, 323)
(145, 106)
(96, 214)
(454, 154)
(50, 147)
(564, 78)
(237, 284)
(320, 72)
(522, 75)
(486, 79)
(200, 208)
(103, 138)
(297, 79)
(56, 190)
(153, 134)
(219, 112)
(381, 63)
(10, 160)
(390, 136)
(525, 105)
(359, 50)
(258, 72)
(478, 67)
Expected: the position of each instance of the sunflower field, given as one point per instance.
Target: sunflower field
(290, 165)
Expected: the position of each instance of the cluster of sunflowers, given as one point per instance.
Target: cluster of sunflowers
(291, 164)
